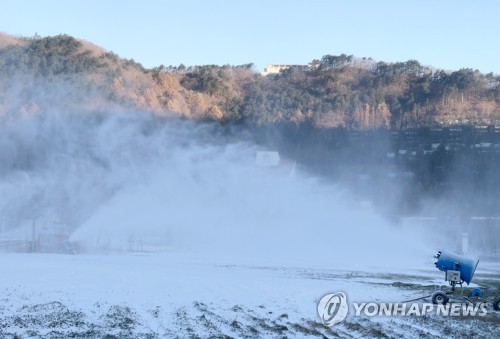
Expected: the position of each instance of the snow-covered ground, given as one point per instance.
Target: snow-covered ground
(154, 295)
(221, 246)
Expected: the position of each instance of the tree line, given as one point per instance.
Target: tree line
(333, 91)
(342, 91)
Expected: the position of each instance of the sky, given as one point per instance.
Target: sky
(446, 34)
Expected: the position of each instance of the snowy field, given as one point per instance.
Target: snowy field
(221, 247)
(156, 295)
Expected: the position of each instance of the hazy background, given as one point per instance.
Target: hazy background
(124, 180)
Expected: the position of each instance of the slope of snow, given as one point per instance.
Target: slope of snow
(179, 294)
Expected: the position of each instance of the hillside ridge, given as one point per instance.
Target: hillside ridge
(333, 91)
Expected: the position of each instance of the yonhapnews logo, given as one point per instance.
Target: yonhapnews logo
(333, 308)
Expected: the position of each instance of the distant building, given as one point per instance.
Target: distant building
(276, 68)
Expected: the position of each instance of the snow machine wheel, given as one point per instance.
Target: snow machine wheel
(439, 298)
(476, 293)
(496, 304)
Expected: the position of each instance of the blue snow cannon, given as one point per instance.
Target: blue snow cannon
(458, 269)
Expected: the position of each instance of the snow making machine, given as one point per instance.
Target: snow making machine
(458, 270)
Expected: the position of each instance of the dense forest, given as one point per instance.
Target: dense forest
(333, 91)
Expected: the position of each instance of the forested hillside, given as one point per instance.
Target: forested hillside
(333, 91)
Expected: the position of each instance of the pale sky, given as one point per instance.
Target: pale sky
(448, 34)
